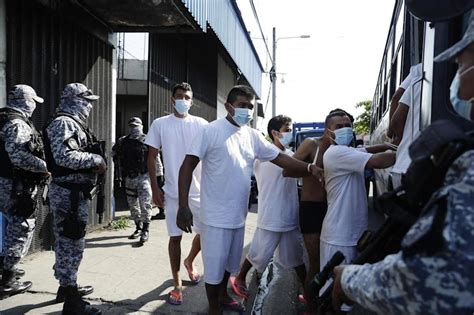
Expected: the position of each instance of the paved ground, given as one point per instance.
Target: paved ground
(135, 280)
(126, 278)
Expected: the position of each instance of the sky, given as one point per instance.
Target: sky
(336, 67)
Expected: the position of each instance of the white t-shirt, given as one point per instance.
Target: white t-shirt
(173, 136)
(412, 122)
(227, 154)
(277, 197)
(346, 218)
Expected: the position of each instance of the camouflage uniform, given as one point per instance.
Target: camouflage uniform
(137, 181)
(17, 134)
(422, 283)
(139, 200)
(67, 141)
(137, 187)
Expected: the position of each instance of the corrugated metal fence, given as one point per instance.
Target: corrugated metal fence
(47, 51)
(178, 58)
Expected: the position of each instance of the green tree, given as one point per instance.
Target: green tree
(362, 122)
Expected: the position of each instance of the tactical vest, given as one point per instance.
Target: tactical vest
(35, 145)
(133, 156)
(92, 146)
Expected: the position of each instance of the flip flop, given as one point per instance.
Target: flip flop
(233, 306)
(175, 297)
(194, 277)
(239, 290)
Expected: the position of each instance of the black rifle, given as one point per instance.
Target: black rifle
(24, 185)
(98, 147)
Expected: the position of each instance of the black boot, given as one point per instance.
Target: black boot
(137, 232)
(74, 304)
(10, 285)
(144, 236)
(61, 295)
(17, 272)
(160, 215)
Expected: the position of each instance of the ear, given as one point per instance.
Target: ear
(275, 134)
(172, 99)
(229, 108)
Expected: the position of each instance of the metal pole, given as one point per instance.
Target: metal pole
(273, 74)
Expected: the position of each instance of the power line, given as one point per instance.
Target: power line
(261, 31)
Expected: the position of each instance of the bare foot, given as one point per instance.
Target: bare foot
(194, 276)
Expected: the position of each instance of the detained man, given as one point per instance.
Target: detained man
(172, 135)
(228, 149)
(344, 165)
(277, 221)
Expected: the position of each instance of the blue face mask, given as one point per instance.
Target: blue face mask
(343, 136)
(462, 107)
(182, 106)
(242, 116)
(286, 138)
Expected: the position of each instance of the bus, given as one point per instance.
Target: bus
(418, 32)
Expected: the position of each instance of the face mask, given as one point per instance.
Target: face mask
(343, 136)
(462, 107)
(242, 116)
(182, 106)
(286, 138)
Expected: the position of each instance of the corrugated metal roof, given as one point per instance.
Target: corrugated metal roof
(224, 17)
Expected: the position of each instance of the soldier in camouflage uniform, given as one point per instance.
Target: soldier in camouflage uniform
(130, 154)
(74, 170)
(420, 279)
(21, 159)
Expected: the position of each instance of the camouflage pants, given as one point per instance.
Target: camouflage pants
(138, 190)
(68, 251)
(19, 232)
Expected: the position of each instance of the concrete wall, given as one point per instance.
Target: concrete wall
(133, 69)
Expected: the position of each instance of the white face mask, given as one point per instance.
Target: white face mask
(182, 106)
(242, 116)
(286, 138)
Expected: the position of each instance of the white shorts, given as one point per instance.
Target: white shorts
(265, 242)
(326, 252)
(221, 251)
(171, 210)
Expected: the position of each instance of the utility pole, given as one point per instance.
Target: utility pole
(273, 75)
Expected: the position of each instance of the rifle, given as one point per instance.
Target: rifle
(98, 147)
(23, 187)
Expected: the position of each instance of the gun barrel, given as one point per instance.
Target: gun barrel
(322, 277)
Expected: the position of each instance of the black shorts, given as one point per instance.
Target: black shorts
(312, 216)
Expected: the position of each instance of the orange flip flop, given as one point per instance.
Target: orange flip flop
(175, 297)
(239, 290)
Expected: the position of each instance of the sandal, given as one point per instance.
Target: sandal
(239, 290)
(175, 297)
(233, 305)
